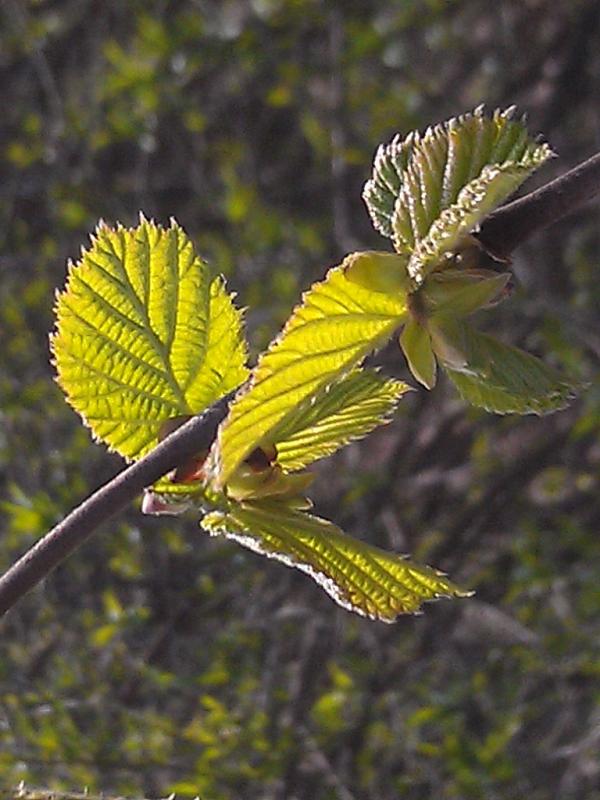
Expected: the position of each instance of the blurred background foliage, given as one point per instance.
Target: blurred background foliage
(157, 660)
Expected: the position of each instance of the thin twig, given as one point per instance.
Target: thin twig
(191, 438)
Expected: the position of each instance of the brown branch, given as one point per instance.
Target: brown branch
(196, 435)
(514, 223)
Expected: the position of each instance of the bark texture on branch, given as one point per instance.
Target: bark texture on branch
(194, 436)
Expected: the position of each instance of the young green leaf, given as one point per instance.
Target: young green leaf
(381, 191)
(358, 576)
(428, 191)
(475, 201)
(506, 380)
(143, 334)
(460, 292)
(415, 342)
(329, 334)
(378, 271)
(450, 342)
(340, 413)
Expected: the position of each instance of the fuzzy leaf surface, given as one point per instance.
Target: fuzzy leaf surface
(328, 334)
(382, 190)
(465, 167)
(475, 201)
(340, 413)
(507, 380)
(358, 576)
(143, 334)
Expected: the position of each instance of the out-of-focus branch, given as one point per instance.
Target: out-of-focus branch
(514, 223)
(194, 436)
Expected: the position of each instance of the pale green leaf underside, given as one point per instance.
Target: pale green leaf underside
(330, 333)
(506, 380)
(358, 576)
(142, 334)
(414, 181)
(340, 413)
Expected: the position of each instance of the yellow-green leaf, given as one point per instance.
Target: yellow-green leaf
(358, 576)
(507, 380)
(340, 413)
(329, 334)
(143, 334)
(378, 271)
(415, 342)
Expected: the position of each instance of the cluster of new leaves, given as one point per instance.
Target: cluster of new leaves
(427, 194)
(145, 338)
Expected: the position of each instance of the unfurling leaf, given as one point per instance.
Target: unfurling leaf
(327, 336)
(474, 202)
(429, 194)
(507, 380)
(429, 191)
(143, 334)
(248, 483)
(382, 190)
(358, 576)
(448, 342)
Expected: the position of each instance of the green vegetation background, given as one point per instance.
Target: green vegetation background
(157, 660)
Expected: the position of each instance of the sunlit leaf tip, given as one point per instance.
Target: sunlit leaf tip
(144, 334)
(359, 577)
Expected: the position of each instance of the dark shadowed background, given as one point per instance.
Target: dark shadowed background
(158, 660)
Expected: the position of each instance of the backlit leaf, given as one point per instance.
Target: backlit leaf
(507, 380)
(378, 271)
(340, 413)
(330, 333)
(143, 334)
(358, 576)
